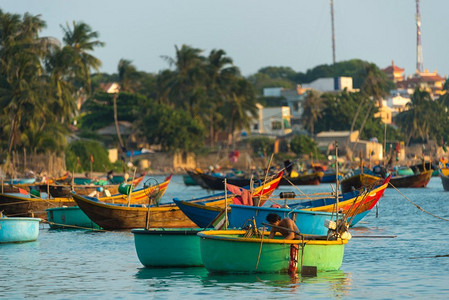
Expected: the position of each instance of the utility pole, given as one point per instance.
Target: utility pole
(419, 60)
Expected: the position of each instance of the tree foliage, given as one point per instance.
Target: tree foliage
(303, 145)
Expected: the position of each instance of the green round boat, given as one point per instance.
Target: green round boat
(229, 251)
(168, 247)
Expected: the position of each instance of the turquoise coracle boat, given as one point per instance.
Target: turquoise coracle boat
(18, 230)
(229, 251)
(69, 217)
(168, 247)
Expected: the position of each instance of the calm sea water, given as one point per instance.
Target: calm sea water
(84, 264)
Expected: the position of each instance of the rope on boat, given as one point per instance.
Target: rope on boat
(417, 206)
(73, 226)
(296, 187)
(260, 249)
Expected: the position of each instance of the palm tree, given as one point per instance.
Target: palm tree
(127, 74)
(220, 73)
(80, 40)
(240, 107)
(375, 87)
(313, 107)
(417, 120)
(20, 73)
(186, 85)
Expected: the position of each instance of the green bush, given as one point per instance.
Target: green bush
(303, 145)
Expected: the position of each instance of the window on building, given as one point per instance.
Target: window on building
(276, 125)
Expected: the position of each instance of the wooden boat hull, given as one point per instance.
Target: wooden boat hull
(356, 182)
(308, 222)
(203, 213)
(19, 230)
(412, 181)
(115, 216)
(229, 252)
(330, 177)
(197, 178)
(69, 218)
(444, 178)
(168, 247)
(306, 179)
(19, 206)
(217, 182)
(139, 196)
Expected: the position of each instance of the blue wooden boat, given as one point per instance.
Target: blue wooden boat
(203, 211)
(308, 222)
(20, 181)
(69, 217)
(18, 230)
(330, 176)
(168, 247)
(355, 205)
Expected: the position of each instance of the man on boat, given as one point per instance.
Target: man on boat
(285, 226)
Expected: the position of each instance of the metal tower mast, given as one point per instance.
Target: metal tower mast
(419, 64)
(333, 31)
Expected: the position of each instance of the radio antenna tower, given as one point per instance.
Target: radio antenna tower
(419, 64)
(333, 31)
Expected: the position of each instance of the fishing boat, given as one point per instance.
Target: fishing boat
(71, 217)
(18, 230)
(229, 251)
(168, 247)
(216, 182)
(313, 211)
(417, 180)
(356, 180)
(127, 194)
(63, 190)
(354, 205)
(194, 174)
(203, 211)
(112, 216)
(308, 222)
(313, 178)
(444, 175)
(20, 181)
(20, 205)
(330, 176)
(188, 180)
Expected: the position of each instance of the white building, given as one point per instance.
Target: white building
(274, 121)
(331, 84)
(398, 102)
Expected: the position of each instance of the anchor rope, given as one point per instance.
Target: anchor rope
(73, 226)
(417, 206)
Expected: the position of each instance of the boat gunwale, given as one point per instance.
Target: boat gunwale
(167, 231)
(116, 206)
(351, 201)
(222, 235)
(20, 219)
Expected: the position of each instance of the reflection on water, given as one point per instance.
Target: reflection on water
(332, 283)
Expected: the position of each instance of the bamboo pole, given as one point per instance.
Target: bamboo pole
(132, 186)
(226, 205)
(265, 179)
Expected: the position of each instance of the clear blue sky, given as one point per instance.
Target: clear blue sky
(254, 33)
